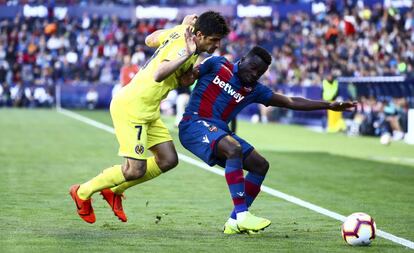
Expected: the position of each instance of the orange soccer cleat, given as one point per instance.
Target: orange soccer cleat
(84, 207)
(115, 201)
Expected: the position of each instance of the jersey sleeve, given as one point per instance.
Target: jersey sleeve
(175, 44)
(170, 33)
(263, 94)
(164, 35)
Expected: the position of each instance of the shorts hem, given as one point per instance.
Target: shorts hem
(213, 160)
(247, 153)
(135, 156)
(162, 141)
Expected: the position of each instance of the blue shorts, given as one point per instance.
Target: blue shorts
(200, 137)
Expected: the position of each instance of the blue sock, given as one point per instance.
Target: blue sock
(235, 181)
(252, 186)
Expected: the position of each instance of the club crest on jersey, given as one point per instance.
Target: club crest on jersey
(229, 89)
(139, 149)
(212, 128)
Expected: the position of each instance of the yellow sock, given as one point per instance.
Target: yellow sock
(110, 177)
(153, 171)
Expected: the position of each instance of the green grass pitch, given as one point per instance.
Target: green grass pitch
(43, 152)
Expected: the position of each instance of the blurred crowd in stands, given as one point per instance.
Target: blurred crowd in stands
(152, 2)
(360, 42)
(305, 48)
(380, 118)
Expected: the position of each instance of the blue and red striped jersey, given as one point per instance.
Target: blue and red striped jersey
(219, 95)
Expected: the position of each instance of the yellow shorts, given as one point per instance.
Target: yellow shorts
(136, 138)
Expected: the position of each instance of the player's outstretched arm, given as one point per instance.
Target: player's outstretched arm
(166, 68)
(153, 40)
(303, 104)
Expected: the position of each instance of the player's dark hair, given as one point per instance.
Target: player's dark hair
(262, 53)
(211, 23)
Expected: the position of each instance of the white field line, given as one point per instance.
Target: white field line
(266, 189)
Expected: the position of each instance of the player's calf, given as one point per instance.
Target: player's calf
(261, 168)
(134, 169)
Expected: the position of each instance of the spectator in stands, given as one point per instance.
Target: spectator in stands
(29, 101)
(92, 97)
(393, 113)
(305, 46)
(105, 76)
(361, 41)
(5, 95)
(128, 71)
(330, 88)
(138, 58)
(17, 95)
(1, 95)
(387, 119)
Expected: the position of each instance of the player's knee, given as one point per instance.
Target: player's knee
(137, 173)
(234, 151)
(263, 167)
(259, 166)
(168, 162)
(134, 171)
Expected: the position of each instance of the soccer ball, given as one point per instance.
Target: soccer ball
(358, 229)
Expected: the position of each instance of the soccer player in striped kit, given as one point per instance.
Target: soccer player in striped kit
(223, 90)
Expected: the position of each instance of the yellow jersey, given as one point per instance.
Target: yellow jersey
(141, 98)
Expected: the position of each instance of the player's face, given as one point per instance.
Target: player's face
(251, 68)
(208, 44)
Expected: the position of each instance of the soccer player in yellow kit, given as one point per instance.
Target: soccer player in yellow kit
(135, 112)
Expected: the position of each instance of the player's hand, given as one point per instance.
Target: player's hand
(188, 77)
(189, 20)
(191, 46)
(342, 106)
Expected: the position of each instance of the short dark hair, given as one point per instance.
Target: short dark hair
(210, 23)
(262, 53)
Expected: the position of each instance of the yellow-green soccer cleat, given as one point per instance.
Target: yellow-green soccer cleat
(232, 229)
(251, 222)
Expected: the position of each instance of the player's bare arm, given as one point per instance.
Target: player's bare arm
(166, 68)
(153, 40)
(303, 104)
(190, 19)
(189, 77)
